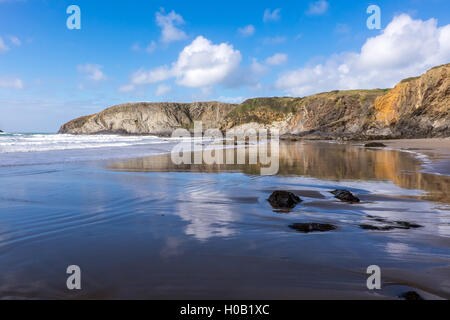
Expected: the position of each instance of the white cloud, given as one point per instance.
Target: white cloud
(200, 65)
(272, 15)
(247, 31)
(247, 75)
(404, 49)
(3, 46)
(156, 75)
(11, 83)
(257, 68)
(318, 7)
(94, 71)
(168, 24)
(277, 59)
(162, 90)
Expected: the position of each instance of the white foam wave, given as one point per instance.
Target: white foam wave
(53, 142)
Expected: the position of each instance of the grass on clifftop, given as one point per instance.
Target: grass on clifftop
(282, 105)
(409, 79)
(263, 110)
(268, 110)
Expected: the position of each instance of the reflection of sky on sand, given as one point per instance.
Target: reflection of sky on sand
(398, 249)
(200, 206)
(389, 182)
(157, 226)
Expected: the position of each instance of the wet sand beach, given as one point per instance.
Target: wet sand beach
(145, 228)
(437, 150)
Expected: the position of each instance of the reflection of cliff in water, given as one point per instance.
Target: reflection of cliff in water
(324, 161)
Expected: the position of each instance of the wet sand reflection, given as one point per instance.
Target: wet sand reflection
(325, 161)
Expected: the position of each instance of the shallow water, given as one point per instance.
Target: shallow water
(144, 228)
(22, 149)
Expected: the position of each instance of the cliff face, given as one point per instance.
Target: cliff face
(149, 118)
(416, 107)
(336, 113)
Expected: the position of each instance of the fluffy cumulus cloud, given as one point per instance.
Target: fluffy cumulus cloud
(318, 7)
(93, 71)
(277, 59)
(169, 24)
(270, 15)
(247, 31)
(406, 48)
(201, 64)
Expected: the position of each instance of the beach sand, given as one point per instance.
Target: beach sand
(436, 146)
(145, 228)
(436, 150)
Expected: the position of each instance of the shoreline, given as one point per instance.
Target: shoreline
(434, 153)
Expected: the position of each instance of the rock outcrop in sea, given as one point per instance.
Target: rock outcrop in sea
(416, 108)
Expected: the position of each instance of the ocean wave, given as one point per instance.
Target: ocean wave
(52, 142)
(35, 149)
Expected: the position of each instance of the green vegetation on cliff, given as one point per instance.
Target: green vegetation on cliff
(262, 110)
(268, 110)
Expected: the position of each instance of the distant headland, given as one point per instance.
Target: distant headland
(415, 108)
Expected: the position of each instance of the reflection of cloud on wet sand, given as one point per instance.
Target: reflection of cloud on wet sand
(207, 217)
(398, 249)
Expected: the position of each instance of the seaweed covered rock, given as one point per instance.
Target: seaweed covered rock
(375, 145)
(312, 227)
(283, 200)
(345, 195)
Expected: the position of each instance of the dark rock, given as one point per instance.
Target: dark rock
(412, 296)
(345, 196)
(375, 145)
(379, 220)
(291, 137)
(408, 225)
(377, 228)
(284, 199)
(312, 227)
(396, 224)
(402, 225)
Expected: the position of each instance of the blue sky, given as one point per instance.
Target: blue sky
(185, 51)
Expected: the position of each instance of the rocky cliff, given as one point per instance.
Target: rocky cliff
(150, 118)
(415, 108)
